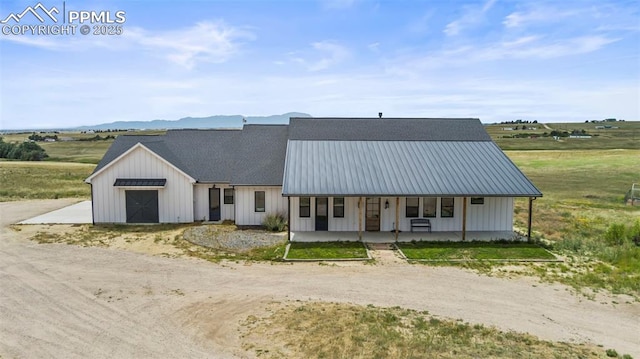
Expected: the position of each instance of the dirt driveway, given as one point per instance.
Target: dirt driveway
(60, 300)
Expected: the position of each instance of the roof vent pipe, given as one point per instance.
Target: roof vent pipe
(379, 114)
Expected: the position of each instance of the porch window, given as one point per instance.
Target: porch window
(477, 200)
(338, 207)
(305, 207)
(259, 201)
(446, 207)
(429, 210)
(228, 196)
(411, 209)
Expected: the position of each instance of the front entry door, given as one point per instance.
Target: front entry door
(214, 204)
(322, 214)
(372, 214)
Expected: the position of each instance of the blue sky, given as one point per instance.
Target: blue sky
(549, 61)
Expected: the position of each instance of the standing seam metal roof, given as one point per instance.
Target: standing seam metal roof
(402, 168)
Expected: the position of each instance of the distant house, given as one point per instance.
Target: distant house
(347, 175)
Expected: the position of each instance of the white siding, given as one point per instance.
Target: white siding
(348, 223)
(495, 215)
(175, 200)
(245, 204)
(201, 203)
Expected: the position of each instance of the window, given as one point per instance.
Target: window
(477, 200)
(429, 210)
(228, 196)
(446, 207)
(259, 203)
(338, 207)
(412, 207)
(305, 207)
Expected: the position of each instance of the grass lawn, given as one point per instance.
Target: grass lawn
(327, 250)
(473, 251)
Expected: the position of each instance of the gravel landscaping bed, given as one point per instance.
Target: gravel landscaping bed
(229, 237)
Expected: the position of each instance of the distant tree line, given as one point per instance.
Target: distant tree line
(517, 122)
(38, 138)
(97, 138)
(25, 151)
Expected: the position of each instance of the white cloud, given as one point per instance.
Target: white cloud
(204, 42)
(472, 16)
(538, 15)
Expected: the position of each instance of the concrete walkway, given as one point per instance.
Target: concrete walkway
(79, 213)
(385, 253)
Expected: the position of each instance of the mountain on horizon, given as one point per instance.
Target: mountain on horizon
(217, 121)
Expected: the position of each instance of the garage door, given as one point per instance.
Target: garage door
(142, 206)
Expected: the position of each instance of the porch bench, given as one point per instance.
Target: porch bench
(421, 223)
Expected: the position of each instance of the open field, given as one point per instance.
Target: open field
(581, 188)
(583, 198)
(627, 136)
(41, 180)
(73, 146)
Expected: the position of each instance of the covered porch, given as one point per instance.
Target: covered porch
(389, 237)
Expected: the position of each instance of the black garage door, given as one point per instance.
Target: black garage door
(142, 206)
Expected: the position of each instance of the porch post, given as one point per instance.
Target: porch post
(531, 199)
(289, 218)
(397, 216)
(360, 218)
(464, 218)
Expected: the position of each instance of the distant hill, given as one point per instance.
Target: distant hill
(218, 121)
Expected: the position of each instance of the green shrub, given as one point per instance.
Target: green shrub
(633, 232)
(615, 234)
(275, 222)
(612, 353)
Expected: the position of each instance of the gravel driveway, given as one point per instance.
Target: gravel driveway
(60, 300)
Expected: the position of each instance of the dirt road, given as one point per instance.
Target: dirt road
(60, 300)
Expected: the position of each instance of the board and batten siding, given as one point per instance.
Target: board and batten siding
(245, 204)
(175, 200)
(496, 214)
(201, 202)
(348, 223)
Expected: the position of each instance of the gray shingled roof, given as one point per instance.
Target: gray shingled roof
(261, 155)
(121, 145)
(206, 155)
(402, 168)
(388, 129)
(254, 155)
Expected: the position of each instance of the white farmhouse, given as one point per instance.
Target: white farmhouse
(350, 176)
